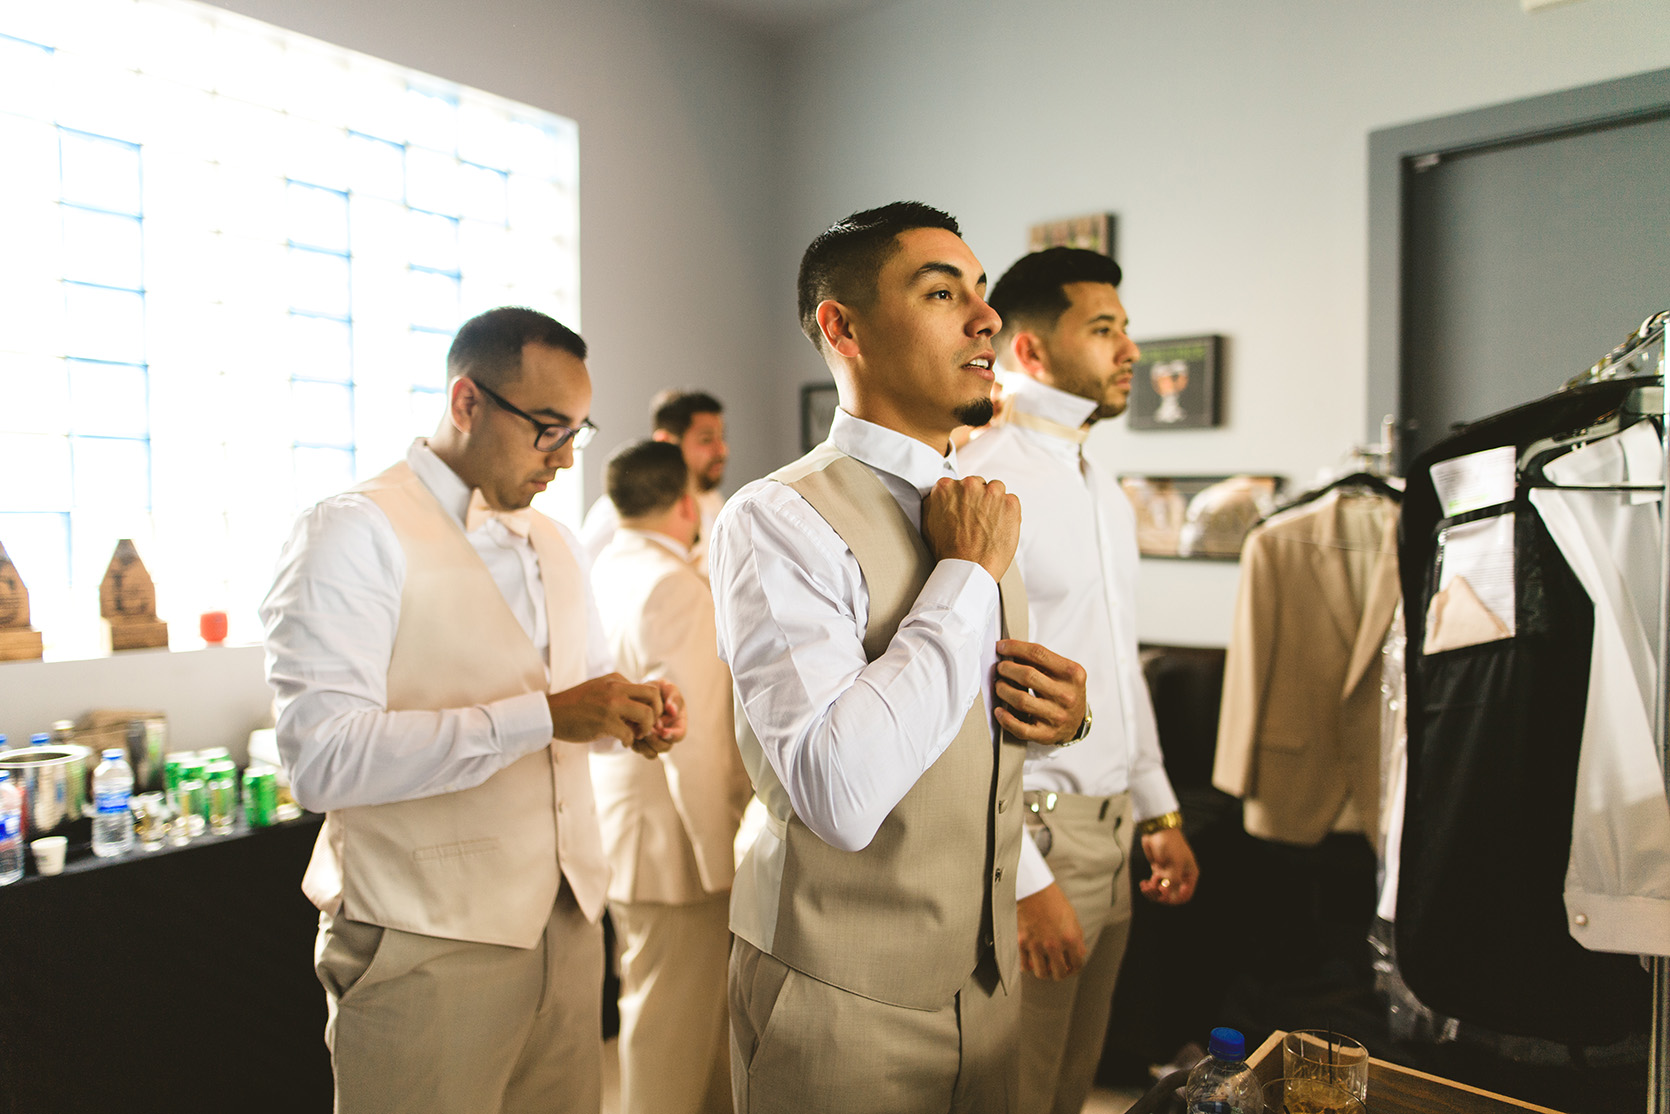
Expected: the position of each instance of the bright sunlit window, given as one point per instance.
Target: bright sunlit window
(231, 261)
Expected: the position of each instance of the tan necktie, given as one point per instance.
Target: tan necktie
(478, 514)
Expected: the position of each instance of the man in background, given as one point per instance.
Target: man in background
(695, 422)
(1067, 362)
(860, 610)
(669, 827)
(435, 658)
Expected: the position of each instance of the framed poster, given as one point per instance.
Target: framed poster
(1177, 383)
(1198, 516)
(818, 403)
(1093, 232)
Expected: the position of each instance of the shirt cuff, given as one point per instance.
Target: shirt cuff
(1033, 874)
(963, 587)
(1151, 796)
(522, 724)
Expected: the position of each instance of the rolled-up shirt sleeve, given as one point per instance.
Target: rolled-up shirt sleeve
(330, 621)
(846, 736)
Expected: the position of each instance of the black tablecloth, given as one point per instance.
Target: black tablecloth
(179, 979)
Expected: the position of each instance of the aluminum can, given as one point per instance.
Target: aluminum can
(260, 796)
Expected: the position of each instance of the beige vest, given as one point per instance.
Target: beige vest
(906, 919)
(481, 864)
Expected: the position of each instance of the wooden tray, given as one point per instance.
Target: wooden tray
(1393, 1089)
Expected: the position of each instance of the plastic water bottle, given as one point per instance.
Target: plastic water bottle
(112, 787)
(1223, 1083)
(11, 830)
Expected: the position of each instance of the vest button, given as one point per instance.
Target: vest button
(999, 877)
(1582, 919)
(1002, 804)
(559, 806)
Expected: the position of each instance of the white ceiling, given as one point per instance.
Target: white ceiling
(781, 15)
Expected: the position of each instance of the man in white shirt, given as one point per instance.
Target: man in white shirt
(1067, 363)
(695, 422)
(669, 827)
(864, 595)
(435, 656)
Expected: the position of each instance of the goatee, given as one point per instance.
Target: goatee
(975, 412)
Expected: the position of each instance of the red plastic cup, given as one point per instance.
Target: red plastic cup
(212, 626)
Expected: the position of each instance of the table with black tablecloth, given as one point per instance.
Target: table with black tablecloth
(180, 978)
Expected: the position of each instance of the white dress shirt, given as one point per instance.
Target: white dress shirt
(1617, 885)
(1078, 559)
(603, 520)
(330, 621)
(847, 737)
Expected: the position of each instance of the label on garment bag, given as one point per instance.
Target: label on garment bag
(1475, 481)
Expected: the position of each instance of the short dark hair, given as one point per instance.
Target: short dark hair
(1029, 297)
(488, 347)
(845, 261)
(645, 477)
(673, 409)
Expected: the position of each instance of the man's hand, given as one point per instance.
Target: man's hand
(1051, 939)
(1175, 872)
(972, 520)
(1043, 690)
(612, 705)
(669, 726)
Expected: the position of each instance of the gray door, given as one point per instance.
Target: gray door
(1523, 263)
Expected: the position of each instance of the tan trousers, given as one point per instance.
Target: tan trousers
(675, 1051)
(800, 1046)
(1064, 1023)
(451, 1027)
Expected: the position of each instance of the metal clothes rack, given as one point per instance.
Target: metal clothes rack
(1641, 355)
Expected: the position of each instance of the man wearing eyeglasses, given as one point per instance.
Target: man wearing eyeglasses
(436, 656)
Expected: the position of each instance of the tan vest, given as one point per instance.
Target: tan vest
(906, 919)
(481, 864)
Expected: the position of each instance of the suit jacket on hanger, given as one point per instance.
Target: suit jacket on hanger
(1299, 732)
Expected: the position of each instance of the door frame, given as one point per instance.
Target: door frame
(1393, 151)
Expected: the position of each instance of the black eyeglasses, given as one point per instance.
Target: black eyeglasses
(548, 436)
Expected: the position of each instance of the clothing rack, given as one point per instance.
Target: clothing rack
(1641, 355)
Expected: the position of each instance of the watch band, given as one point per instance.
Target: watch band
(1172, 819)
(1082, 732)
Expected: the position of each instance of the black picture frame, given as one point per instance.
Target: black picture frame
(1177, 383)
(818, 403)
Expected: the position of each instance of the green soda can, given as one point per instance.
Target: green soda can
(222, 778)
(260, 795)
(171, 768)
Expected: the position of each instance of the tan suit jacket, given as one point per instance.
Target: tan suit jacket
(1299, 734)
(669, 826)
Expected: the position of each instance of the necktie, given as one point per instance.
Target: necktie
(478, 514)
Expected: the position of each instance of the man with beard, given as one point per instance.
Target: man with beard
(439, 671)
(859, 608)
(1067, 361)
(695, 422)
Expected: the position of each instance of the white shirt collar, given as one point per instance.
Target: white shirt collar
(1032, 397)
(671, 545)
(888, 450)
(443, 483)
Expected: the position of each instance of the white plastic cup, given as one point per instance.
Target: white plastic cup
(49, 854)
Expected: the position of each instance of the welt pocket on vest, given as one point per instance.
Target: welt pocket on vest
(463, 849)
(1283, 740)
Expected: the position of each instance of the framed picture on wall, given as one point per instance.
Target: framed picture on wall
(1093, 232)
(1198, 516)
(818, 403)
(1177, 383)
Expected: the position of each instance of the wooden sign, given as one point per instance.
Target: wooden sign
(128, 602)
(18, 640)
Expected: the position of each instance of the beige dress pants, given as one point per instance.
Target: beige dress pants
(451, 1027)
(675, 1051)
(800, 1046)
(1064, 1023)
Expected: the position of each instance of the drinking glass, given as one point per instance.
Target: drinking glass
(1330, 1057)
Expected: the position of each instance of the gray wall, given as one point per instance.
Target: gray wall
(1231, 139)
